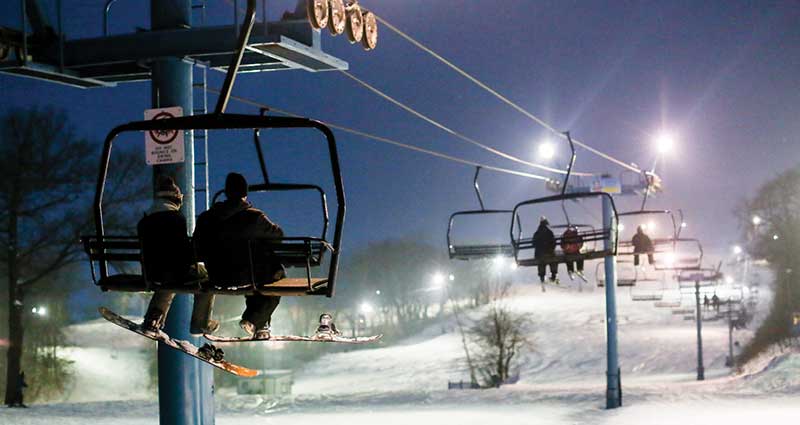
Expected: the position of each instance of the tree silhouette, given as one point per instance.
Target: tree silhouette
(47, 176)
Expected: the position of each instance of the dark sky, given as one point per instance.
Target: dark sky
(721, 75)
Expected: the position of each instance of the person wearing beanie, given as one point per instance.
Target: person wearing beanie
(168, 259)
(222, 238)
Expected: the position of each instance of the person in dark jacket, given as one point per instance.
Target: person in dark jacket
(221, 239)
(544, 244)
(571, 244)
(642, 245)
(18, 401)
(168, 259)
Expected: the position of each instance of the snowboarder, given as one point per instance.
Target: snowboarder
(168, 259)
(219, 236)
(571, 244)
(544, 244)
(642, 245)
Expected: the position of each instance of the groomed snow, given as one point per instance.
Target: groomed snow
(562, 382)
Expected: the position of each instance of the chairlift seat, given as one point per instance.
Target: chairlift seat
(477, 252)
(647, 297)
(290, 252)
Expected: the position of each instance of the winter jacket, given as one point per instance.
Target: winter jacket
(544, 242)
(571, 242)
(642, 243)
(166, 249)
(227, 240)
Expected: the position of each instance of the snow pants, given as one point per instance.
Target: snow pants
(259, 309)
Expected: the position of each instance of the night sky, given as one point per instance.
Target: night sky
(722, 76)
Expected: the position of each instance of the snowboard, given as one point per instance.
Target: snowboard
(321, 337)
(208, 354)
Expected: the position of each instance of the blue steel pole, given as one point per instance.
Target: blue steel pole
(613, 383)
(185, 384)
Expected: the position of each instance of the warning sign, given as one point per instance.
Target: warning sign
(163, 146)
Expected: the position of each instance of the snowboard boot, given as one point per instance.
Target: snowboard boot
(247, 327)
(153, 323)
(263, 333)
(209, 329)
(210, 352)
(326, 325)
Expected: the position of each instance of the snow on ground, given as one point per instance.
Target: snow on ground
(562, 382)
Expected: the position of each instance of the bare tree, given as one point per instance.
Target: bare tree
(499, 338)
(47, 177)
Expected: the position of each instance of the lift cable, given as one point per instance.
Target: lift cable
(502, 98)
(387, 140)
(453, 132)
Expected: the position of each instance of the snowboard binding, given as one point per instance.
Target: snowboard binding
(210, 352)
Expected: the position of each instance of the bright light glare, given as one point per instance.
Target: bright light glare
(33, 310)
(377, 292)
(366, 308)
(669, 259)
(41, 311)
(497, 262)
(651, 226)
(775, 237)
(513, 265)
(737, 250)
(729, 280)
(452, 277)
(546, 151)
(664, 143)
(621, 227)
(438, 279)
(757, 220)
(683, 225)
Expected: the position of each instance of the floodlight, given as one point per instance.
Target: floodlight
(546, 151)
(757, 220)
(737, 250)
(664, 143)
(366, 308)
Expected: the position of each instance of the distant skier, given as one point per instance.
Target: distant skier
(20, 389)
(642, 245)
(715, 302)
(706, 302)
(544, 244)
(168, 256)
(571, 244)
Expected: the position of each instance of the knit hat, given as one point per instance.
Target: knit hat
(235, 186)
(167, 189)
(543, 221)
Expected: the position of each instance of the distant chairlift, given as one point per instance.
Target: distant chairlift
(595, 239)
(498, 246)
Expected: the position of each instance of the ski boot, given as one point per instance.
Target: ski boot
(210, 352)
(327, 329)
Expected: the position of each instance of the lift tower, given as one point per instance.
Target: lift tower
(165, 54)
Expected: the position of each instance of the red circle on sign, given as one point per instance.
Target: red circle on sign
(163, 137)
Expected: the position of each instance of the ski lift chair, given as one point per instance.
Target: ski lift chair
(303, 251)
(626, 274)
(524, 248)
(686, 255)
(647, 218)
(472, 250)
